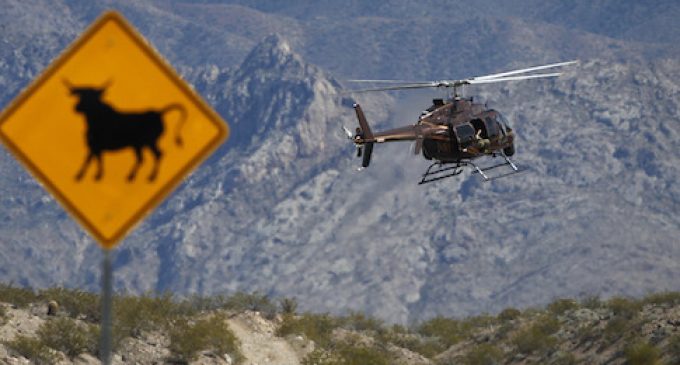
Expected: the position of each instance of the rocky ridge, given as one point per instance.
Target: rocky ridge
(616, 331)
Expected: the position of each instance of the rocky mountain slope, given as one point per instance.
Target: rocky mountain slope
(281, 208)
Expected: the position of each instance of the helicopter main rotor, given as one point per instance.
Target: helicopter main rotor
(514, 75)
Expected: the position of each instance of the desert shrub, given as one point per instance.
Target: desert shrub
(591, 302)
(616, 328)
(449, 331)
(537, 337)
(397, 328)
(32, 349)
(481, 321)
(66, 335)
(668, 298)
(362, 355)
(504, 330)
(357, 321)
(195, 304)
(185, 343)
(642, 353)
(428, 347)
(509, 314)
(547, 324)
(288, 305)
(253, 302)
(399, 336)
(213, 333)
(531, 340)
(3, 314)
(483, 354)
(136, 314)
(559, 306)
(74, 302)
(673, 346)
(316, 327)
(220, 338)
(21, 297)
(624, 307)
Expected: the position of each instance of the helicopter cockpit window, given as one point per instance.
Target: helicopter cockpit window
(491, 127)
(465, 133)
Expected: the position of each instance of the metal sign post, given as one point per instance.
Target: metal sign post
(107, 303)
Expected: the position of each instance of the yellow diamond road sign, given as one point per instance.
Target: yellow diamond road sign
(110, 128)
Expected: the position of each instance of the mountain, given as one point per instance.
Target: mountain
(627, 20)
(281, 209)
(438, 39)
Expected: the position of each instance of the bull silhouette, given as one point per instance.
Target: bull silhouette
(110, 130)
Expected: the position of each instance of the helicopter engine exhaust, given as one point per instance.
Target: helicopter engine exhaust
(364, 133)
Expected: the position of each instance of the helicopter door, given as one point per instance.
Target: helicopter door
(480, 128)
(453, 139)
(491, 127)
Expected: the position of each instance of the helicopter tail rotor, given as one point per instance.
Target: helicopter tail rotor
(350, 136)
(363, 139)
(348, 133)
(363, 133)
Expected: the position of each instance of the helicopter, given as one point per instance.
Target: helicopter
(454, 132)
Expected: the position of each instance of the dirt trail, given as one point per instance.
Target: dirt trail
(259, 344)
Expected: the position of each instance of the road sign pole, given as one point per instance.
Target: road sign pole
(107, 298)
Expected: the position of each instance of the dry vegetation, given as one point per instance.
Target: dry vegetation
(590, 331)
(615, 331)
(188, 327)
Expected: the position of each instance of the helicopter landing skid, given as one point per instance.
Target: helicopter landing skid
(486, 177)
(442, 171)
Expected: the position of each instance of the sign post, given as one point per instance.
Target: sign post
(110, 129)
(107, 301)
